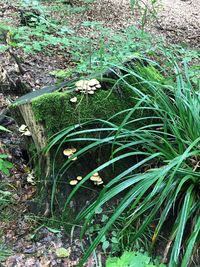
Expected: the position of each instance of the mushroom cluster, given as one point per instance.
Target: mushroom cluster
(69, 152)
(87, 87)
(96, 179)
(24, 130)
(75, 182)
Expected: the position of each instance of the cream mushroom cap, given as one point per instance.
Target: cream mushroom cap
(68, 152)
(93, 82)
(73, 182)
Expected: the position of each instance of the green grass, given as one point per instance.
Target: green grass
(165, 181)
(4, 253)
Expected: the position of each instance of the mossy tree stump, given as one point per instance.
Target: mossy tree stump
(48, 111)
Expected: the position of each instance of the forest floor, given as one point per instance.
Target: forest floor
(178, 22)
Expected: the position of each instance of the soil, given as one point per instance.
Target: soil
(178, 21)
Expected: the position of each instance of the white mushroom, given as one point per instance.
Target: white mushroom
(73, 100)
(93, 82)
(22, 128)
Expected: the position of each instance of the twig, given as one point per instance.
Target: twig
(166, 251)
(17, 60)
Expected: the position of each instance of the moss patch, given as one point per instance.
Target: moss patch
(55, 111)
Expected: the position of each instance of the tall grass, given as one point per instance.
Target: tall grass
(164, 184)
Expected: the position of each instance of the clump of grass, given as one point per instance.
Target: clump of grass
(4, 253)
(165, 182)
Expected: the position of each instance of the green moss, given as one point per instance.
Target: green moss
(56, 111)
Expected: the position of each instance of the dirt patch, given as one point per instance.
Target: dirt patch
(180, 21)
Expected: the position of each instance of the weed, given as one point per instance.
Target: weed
(132, 259)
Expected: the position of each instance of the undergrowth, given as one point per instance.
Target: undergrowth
(164, 183)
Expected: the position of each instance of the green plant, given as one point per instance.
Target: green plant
(165, 179)
(5, 165)
(5, 198)
(132, 259)
(4, 253)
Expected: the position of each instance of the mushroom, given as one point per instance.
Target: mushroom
(73, 150)
(91, 92)
(73, 100)
(93, 82)
(79, 178)
(68, 152)
(98, 86)
(22, 128)
(26, 133)
(73, 182)
(95, 178)
(80, 83)
(74, 158)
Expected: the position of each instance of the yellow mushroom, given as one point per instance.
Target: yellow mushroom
(79, 178)
(68, 152)
(95, 178)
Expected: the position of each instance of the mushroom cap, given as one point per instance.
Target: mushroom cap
(93, 88)
(98, 85)
(79, 178)
(95, 178)
(93, 82)
(85, 86)
(22, 128)
(73, 150)
(75, 158)
(91, 92)
(80, 83)
(26, 133)
(73, 99)
(96, 174)
(99, 183)
(68, 152)
(73, 182)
